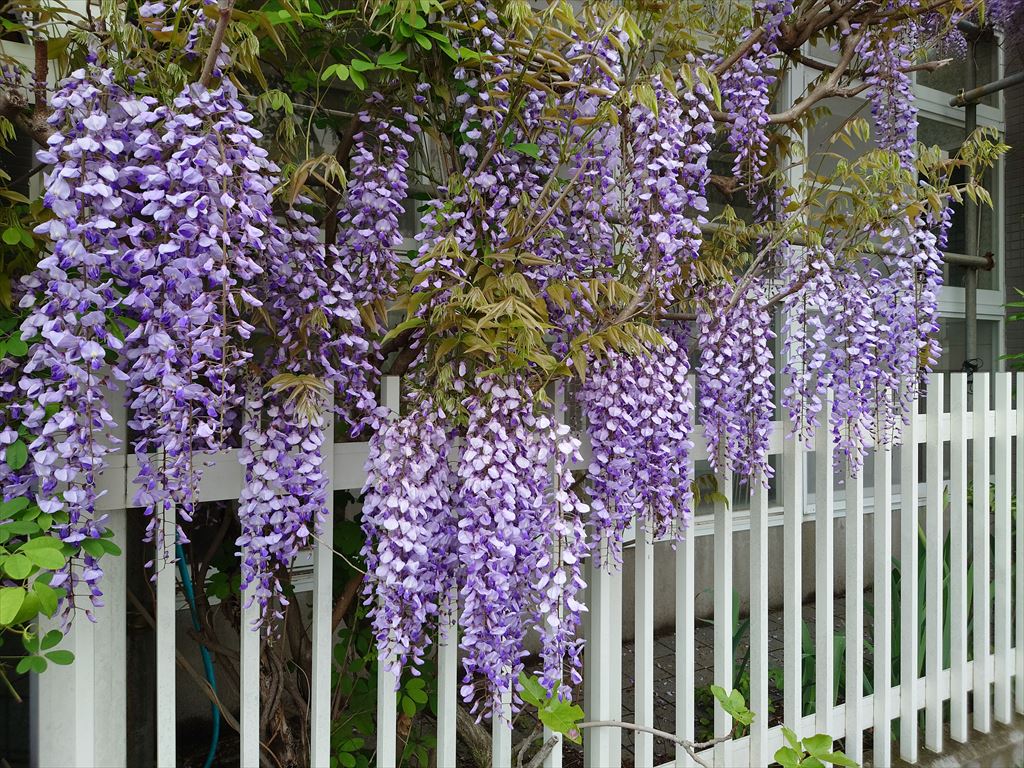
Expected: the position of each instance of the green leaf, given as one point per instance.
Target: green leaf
(418, 695)
(47, 595)
(408, 706)
(16, 347)
(839, 758)
(17, 455)
(50, 559)
(733, 704)
(61, 657)
(13, 506)
(424, 41)
(533, 692)
(412, 322)
(562, 717)
(818, 745)
(358, 79)
(35, 664)
(361, 65)
(43, 542)
(391, 59)
(12, 235)
(11, 599)
(794, 742)
(528, 149)
(50, 639)
(29, 609)
(787, 757)
(341, 71)
(18, 567)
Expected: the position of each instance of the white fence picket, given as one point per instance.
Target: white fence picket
(934, 539)
(1018, 553)
(387, 695)
(448, 682)
(109, 668)
(723, 511)
(982, 561)
(794, 498)
(323, 613)
(643, 684)
(501, 734)
(249, 681)
(854, 746)
(759, 755)
(1001, 561)
(824, 564)
(882, 529)
(166, 598)
(958, 591)
(685, 625)
(603, 692)
(908, 589)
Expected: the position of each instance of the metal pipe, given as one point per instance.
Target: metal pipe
(971, 94)
(971, 211)
(986, 262)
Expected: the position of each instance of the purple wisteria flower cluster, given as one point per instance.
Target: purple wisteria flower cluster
(735, 384)
(886, 55)
(369, 234)
(668, 175)
(165, 245)
(498, 537)
(746, 92)
(62, 393)
(519, 526)
(639, 413)
(410, 526)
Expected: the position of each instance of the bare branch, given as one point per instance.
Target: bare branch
(216, 41)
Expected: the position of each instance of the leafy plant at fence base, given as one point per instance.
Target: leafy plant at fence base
(812, 752)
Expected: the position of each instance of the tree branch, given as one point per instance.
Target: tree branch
(348, 594)
(332, 197)
(216, 41)
(691, 747)
(15, 108)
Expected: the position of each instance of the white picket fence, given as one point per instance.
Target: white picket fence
(89, 697)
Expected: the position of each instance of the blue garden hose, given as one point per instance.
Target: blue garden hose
(190, 596)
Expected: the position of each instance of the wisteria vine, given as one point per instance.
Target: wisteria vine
(564, 255)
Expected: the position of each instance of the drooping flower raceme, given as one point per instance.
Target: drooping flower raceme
(735, 387)
(73, 298)
(409, 521)
(639, 414)
(369, 234)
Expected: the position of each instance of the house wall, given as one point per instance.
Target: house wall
(1013, 254)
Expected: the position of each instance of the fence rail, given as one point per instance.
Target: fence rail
(981, 679)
